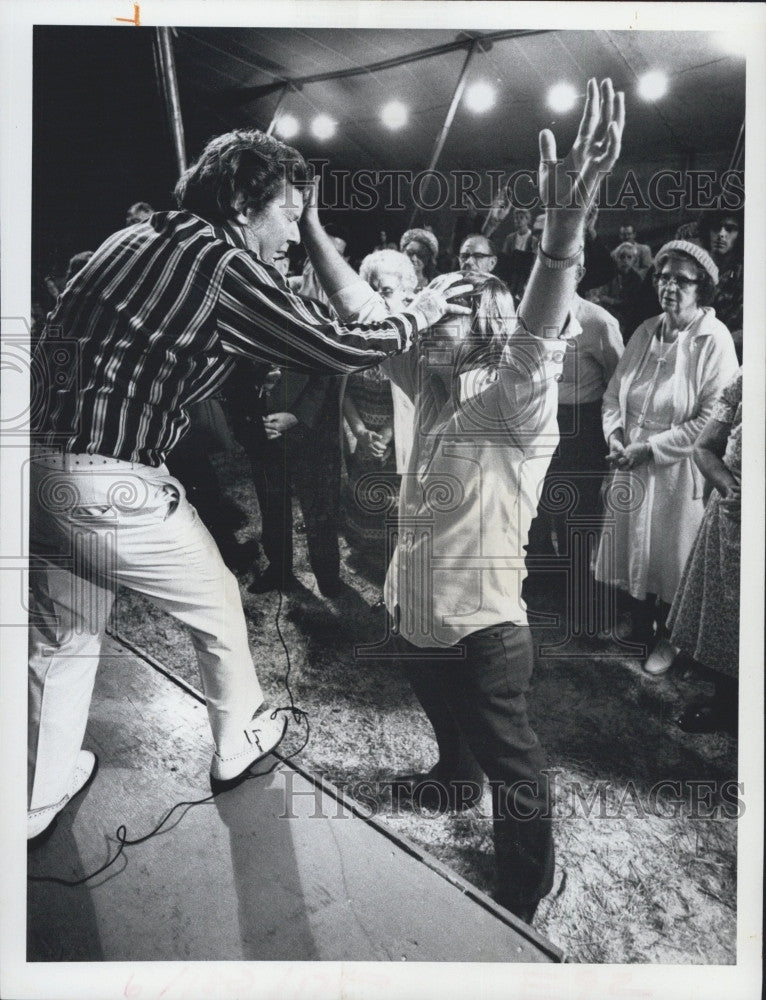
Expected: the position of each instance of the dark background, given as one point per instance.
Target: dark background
(101, 138)
(100, 141)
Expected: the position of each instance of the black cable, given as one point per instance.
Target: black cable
(122, 830)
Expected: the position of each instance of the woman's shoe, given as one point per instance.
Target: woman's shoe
(661, 658)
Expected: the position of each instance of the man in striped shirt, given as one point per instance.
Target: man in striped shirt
(156, 319)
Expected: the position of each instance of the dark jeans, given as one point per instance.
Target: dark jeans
(478, 709)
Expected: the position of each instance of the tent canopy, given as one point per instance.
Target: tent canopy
(101, 141)
(219, 68)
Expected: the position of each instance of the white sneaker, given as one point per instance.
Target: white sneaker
(661, 658)
(262, 735)
(41, 821)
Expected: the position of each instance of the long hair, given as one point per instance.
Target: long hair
(493, 317)
(245, 165)
(481, 336)
(711, 219)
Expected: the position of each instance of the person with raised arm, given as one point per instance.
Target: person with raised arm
(156, 318)
(484, 433)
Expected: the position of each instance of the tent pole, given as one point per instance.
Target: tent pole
(736, 156)
(277, 109)
(169, 82)
(445, 129)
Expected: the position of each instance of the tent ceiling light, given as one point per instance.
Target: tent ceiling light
(287, 127)
(394, 115)
(323, 127)
(653, 85)
(562, 97)
(480, 96)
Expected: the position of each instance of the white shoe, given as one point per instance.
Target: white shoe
(262, 735)
(661, 658)
(40, 822)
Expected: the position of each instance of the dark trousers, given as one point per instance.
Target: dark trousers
(477, 707)
(307, 462)
(572, 484)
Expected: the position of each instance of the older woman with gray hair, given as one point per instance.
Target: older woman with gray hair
(377, 418)
(658, 400)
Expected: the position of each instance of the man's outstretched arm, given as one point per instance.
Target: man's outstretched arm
(567, 188)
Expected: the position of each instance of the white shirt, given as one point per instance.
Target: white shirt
(592, 356)
(470, 491)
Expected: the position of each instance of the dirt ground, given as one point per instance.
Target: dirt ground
(643, 874)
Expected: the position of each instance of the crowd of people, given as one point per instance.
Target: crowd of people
(426, 416)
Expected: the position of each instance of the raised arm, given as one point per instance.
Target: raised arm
(258, 317)
(567, 188)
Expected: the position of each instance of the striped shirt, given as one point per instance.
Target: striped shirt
(154, 322)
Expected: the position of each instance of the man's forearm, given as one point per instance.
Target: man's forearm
(548, 295)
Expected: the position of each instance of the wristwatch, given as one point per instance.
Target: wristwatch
(556, 263)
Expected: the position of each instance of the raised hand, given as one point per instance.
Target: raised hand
(567, 187)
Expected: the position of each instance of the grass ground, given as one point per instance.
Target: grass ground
(638, 880)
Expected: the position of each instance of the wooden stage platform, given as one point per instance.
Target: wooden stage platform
(280, 868)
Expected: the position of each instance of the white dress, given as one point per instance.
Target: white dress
(653, 512)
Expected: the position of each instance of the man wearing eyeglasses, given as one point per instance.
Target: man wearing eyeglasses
(476, 254)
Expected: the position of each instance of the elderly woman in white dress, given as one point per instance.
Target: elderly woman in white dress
(658, 400)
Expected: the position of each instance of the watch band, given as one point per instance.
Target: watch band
(556, 263)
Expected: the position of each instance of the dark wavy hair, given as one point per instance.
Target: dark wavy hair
(245, 164)
(711, 219)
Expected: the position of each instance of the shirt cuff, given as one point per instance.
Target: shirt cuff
(358, 302)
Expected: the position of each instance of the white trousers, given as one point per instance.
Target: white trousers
(98, 523)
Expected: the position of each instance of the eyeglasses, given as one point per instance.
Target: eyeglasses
(463, 257)
(729, 227)
(679, 280)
